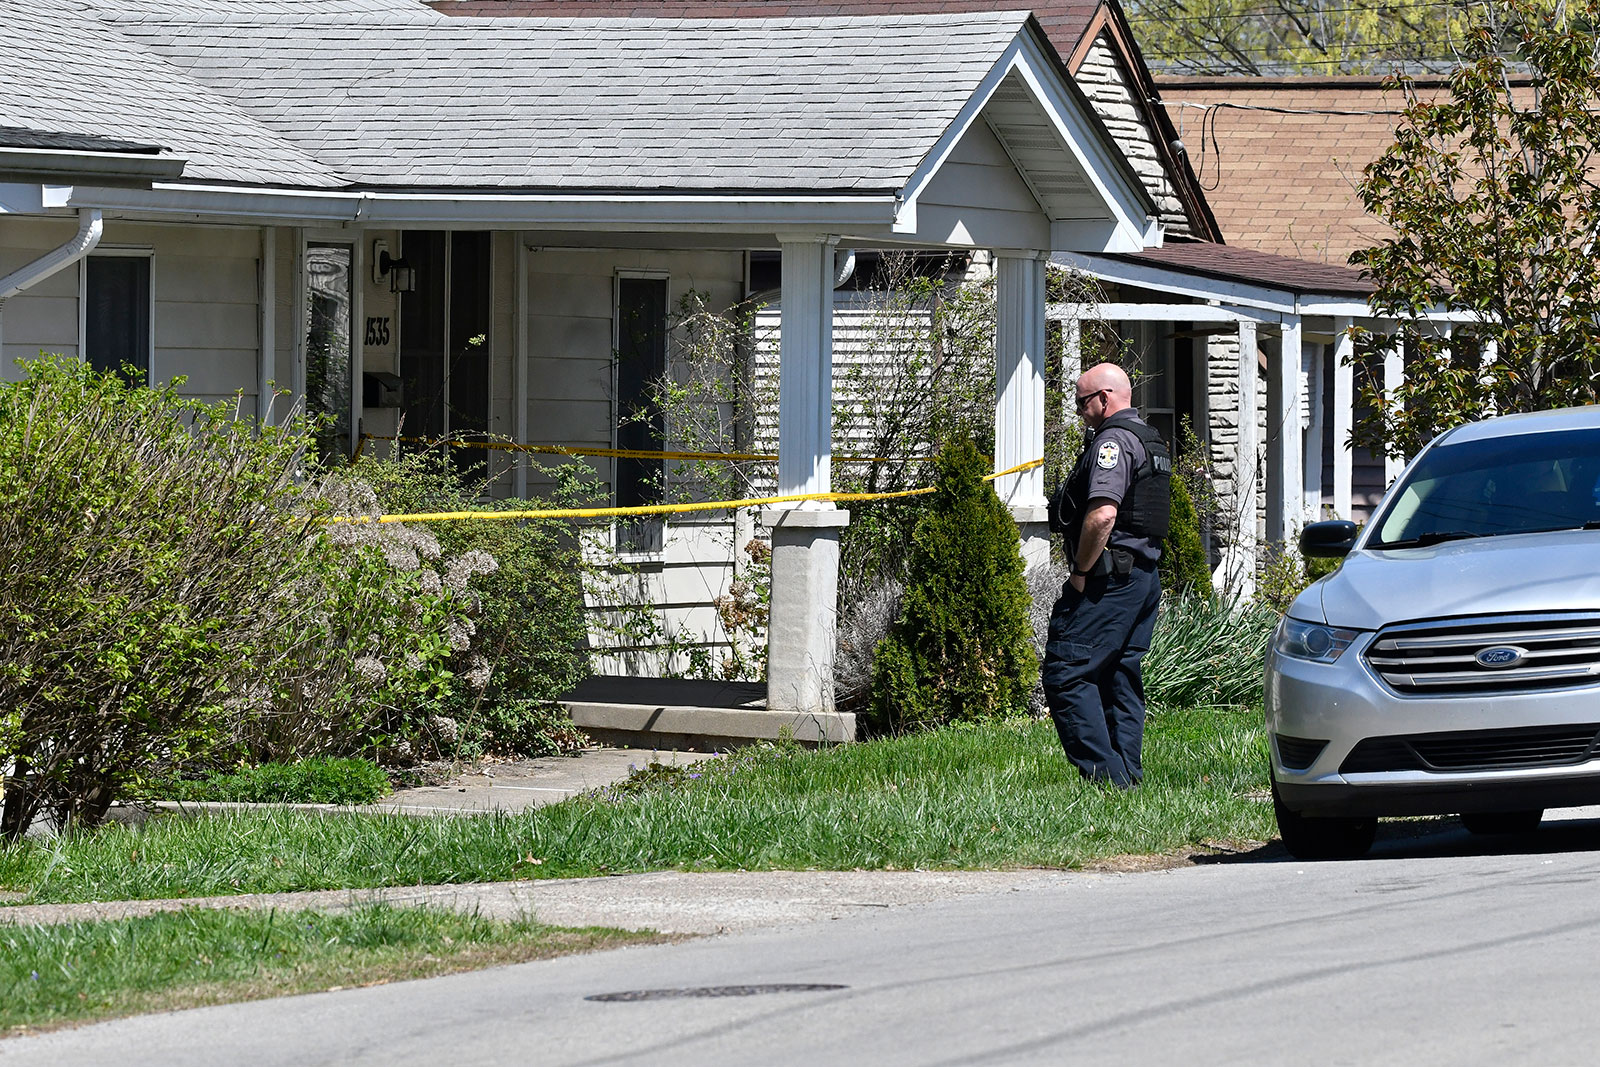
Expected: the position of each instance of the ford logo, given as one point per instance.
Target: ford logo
(1500, 656)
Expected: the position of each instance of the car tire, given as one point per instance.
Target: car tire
(1310, 838)
(1502, 822)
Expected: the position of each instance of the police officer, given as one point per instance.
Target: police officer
(1113, 511)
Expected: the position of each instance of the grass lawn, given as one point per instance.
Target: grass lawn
(994, 796)
(80, 972)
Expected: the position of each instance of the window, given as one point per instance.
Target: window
(116, 312)
(329, 332)
(641, 326)
(444, 339)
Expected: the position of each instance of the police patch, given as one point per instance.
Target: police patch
(1108, 455)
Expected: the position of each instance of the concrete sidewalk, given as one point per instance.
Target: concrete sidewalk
(669, 902)
(530, 783)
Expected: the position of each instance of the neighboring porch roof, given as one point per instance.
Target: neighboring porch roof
(390, 101)
(1232, 263)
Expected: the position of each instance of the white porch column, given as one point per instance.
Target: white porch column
(1285, 503)
(1313, 410)
(1343, 416)
(267, 334)
(805, 536)
(1239, 567)
(1394, 369)
(1019, 396)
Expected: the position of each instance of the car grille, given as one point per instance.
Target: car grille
(1475, 750)
(1443, 659)
(1298, 753)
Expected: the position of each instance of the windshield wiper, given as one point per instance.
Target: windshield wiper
(1433, 537)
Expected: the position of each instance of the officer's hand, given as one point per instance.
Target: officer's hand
(1077, 582)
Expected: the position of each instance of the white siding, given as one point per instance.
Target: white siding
(571, 304)
(45, 317)
(204, 280)
(977, 194)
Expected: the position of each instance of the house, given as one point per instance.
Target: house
(388, 209)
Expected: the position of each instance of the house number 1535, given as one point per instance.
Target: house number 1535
(378, 331)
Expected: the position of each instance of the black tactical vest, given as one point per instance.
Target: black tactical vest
(1147, 509)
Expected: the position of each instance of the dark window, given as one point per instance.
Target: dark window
(422, 342)
(641, 361)
(444, 338)
(116, 313)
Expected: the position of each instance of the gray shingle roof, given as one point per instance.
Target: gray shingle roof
(285, 92)
(64, 72)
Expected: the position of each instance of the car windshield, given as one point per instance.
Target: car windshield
(1497, 485)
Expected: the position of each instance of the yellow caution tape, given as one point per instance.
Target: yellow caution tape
(664, 509)
(614, 453)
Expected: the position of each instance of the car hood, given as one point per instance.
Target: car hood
(1488, 576)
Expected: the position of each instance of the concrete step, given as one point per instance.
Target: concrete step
(687, 714)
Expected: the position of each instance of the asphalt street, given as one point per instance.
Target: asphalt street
(1438, 948)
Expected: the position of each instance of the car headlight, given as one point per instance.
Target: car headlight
(1312, 641)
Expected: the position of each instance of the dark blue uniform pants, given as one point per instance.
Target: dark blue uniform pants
(1091, 672)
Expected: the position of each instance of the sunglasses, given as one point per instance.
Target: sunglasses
(1083, 401)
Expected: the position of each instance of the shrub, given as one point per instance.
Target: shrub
(1185, 565)
(149, 543)
(526, 638)
(386, 644)
(1285, 574)
(309, 781)
(960, 650)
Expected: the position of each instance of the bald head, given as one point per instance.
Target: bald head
(1103, 390)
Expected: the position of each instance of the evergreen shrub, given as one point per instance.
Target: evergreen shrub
(1185, 564)
(961, 650)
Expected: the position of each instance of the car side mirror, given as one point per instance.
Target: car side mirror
(1328, 540)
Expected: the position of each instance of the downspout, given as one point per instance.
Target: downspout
(90, 229)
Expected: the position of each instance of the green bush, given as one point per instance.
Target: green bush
(171, 596)
(1285, 574)
(1185, 564)
(526, 639)
(319, 780)
(151, 545)
(961, 649)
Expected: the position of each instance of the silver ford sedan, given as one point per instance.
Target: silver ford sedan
(1451, 665)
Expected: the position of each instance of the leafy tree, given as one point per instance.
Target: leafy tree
(962, 649)
(1490, 191)
(1296, 36)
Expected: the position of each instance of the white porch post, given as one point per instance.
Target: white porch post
(1286, 506)
(1019, 396)
(267, 334)
(1239, 571)
(1394, 369)
(1313, 407)
(1343, 415)
(805, 536)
